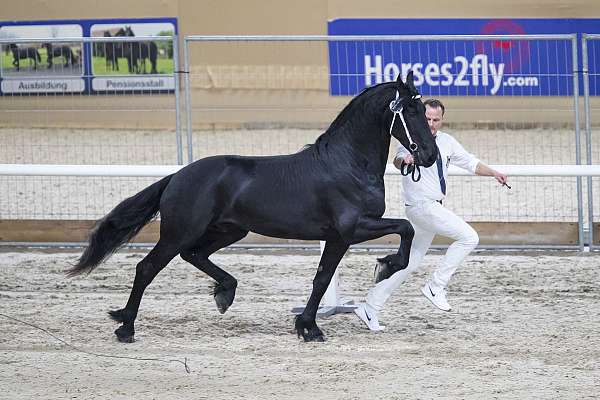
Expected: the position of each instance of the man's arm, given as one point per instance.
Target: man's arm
(484, 170)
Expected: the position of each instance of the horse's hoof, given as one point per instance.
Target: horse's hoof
(383, 270)
(125, 335)
(313, 335)
(320, 338)
(126, 339)
(224, 294)
(387, 266)
(224, 300)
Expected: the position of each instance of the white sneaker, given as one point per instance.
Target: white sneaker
(369, 317)
(438, 298)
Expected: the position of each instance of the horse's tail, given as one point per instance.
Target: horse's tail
(119, 226)
(37, 56)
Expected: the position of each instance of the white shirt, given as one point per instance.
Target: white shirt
(428, 187)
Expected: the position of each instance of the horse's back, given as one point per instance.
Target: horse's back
(262, 194)
(229, 176)
(205, 183)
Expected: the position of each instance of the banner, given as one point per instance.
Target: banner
(28, 67)
(460, 67)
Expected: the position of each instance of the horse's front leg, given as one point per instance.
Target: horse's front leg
(306, 324)
(373, 228)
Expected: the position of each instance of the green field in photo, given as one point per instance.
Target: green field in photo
(99, 67)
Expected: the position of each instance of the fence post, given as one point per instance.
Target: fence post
(176, 74)
(588, 139)
(188, 98)
(577, 139)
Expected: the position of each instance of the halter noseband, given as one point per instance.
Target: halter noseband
(397, 107)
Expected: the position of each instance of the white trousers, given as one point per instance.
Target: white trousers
(429, 218)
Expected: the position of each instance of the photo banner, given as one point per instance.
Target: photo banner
(460, 67)
(105, 67)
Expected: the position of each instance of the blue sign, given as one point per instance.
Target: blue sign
(461, 67)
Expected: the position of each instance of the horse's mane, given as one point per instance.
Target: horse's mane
(346, 114)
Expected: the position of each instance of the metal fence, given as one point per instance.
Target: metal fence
(272, 95)
(103, 100)
(298, 107)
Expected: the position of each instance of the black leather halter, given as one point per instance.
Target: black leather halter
(397, 106)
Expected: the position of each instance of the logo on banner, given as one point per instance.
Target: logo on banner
(463, 72)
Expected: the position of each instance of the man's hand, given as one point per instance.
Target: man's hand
(500, 177)
(409, 159)
(484, 170)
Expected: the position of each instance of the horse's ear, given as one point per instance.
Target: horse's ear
(399, 80)
(410, 78)
(410, 84)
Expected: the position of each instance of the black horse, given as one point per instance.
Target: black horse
(20, 53)
(138, 51)
(110, 54)
(332, 190)
(64, 51)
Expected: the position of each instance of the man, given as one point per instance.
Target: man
(424, 209)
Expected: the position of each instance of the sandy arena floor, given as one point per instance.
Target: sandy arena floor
(522, 327)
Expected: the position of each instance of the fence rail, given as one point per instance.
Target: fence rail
(164, 170)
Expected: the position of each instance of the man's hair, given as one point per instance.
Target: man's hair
(435, 103)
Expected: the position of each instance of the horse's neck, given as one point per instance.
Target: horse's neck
(364, 143)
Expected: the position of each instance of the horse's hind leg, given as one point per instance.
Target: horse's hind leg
(145, 272)
(224, 291)
(305, 324)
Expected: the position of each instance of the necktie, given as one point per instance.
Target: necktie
(441, 172)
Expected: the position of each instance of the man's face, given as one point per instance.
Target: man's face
(434, 118)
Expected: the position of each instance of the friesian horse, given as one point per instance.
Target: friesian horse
(138, 51)
(332, 190)
(53, 51)
(110, 55)
(24, 53)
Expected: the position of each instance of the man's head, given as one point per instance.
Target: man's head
(434, 112)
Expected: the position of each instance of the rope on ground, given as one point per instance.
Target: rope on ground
(184, 362)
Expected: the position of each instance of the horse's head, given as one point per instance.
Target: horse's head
(409, 124)
(121, 32)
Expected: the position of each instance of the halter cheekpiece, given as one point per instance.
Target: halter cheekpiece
(397, 106)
